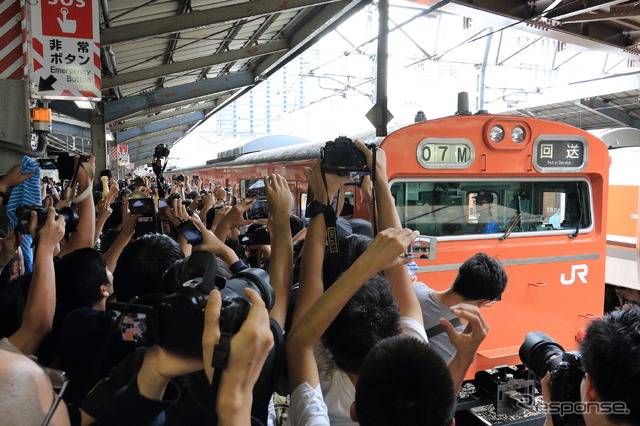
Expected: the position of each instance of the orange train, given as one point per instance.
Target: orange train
(548, 183)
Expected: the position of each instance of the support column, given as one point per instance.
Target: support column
(382, 114)
(98, 138)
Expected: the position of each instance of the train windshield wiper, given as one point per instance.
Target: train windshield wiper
(577, 232)
(515, 220)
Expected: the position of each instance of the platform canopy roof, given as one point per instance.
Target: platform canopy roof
(167, 65)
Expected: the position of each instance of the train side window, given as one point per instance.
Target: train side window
(451, 209)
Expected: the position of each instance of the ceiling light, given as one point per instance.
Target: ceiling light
(84, 104)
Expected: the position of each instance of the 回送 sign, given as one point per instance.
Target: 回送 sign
(64, 49)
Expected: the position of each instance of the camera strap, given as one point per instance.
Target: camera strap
(374, 221)
(72, 183)
(222, 350)
(330, 221)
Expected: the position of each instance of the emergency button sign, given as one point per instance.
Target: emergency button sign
(64, 49)
(67, 18)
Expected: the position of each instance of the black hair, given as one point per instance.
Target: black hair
(351, 248)
(610, 356)
(480, 277)
(141, 265)
(210, 216)
(115, 218)
(296, 224)
(79, 276)
(403, 381)
(370, 316)
(177, 274)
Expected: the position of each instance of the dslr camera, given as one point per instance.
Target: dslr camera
(161, 151)
(342, 157)
(64, 164)
(177, 321)
(23, 215)
(541, 354)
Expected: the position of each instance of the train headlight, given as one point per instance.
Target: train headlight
(518, 134)
(496, 134)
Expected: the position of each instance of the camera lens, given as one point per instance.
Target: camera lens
(540, 353)
(255, 279)
(71, 218)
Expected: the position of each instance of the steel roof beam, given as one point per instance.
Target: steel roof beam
(143, 137)
(194, 64)
(616, 12)
(185, 5)
(155, 140)
(70, 129)
(159, 117)
(121, 108)
(199, 19)
(529, 17)
(608, 111)
(231, 35)
(211, 102)
(159, 126)
(300, 39)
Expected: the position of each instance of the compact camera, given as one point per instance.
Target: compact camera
(342, 157)
(23, 215)
(177, 321)
(64, 164)
(541, 354)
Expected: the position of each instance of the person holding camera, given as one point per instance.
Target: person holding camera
(480, 281)
(37, 319)
(610, 387)
(26, 395)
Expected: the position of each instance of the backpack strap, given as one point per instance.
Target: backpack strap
(439, 329)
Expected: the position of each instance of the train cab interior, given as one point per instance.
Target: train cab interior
(460, 208)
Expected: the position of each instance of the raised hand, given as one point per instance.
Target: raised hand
(52, 231)
(467, 342)
(279, 199)
(388, 248)
(381, 160)
(317, 183)
(13, 178)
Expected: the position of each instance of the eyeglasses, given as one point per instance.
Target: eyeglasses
(59, 382)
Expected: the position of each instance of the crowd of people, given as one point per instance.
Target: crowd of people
(135, 303)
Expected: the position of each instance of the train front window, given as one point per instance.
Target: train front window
(472, 208)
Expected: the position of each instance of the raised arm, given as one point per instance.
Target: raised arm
(84, 235)
(104, 211)
(128, 228)
(311, 284)
(384, 252)
(211, 243)
(387, 217)
(467, 342)
(248, 351)
(37, 319)
(279, 202)
(234, 219)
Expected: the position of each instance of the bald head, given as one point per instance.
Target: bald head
(26, 393)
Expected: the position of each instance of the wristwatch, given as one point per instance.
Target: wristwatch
(315, 208)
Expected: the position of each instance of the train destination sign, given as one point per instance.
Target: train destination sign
(445, 153)
(564, 155)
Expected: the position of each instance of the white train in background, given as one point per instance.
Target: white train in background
(623, 228)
